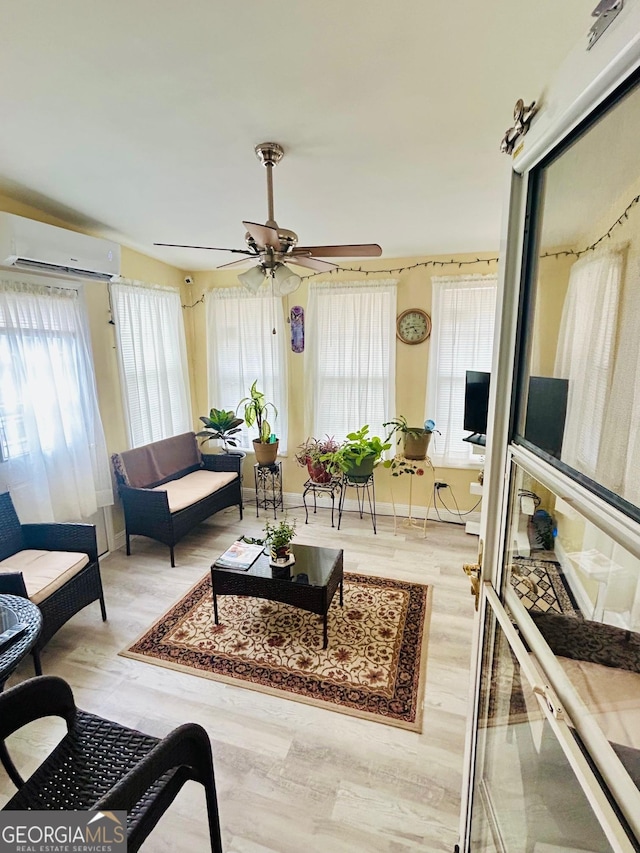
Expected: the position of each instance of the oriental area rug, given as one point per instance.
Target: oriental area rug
(374, 667)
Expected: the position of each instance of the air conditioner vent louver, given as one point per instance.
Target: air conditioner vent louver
(24, 263)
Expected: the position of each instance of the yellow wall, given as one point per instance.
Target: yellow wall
(412, 363)
(414, 290)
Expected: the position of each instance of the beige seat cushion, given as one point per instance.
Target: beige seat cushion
(193, 487)
(44, 571)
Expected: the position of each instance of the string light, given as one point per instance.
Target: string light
(575, 253)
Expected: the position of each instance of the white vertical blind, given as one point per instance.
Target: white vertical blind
(242, 348)
(152, 358)
(463, 318)
(52, 445)
(350, 357)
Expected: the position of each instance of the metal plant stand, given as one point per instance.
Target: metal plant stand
(333, 487)
(365, 490)
(268, 481)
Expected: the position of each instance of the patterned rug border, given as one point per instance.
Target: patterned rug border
(414, 725)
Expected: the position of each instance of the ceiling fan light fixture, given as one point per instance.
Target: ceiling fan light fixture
(285, 280)
(252, 278)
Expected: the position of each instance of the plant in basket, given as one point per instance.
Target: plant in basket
(316, 455)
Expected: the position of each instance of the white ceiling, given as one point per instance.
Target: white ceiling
(138, 118)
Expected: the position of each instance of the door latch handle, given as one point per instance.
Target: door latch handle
(473, 572)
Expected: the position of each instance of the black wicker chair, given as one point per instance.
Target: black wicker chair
(80, 590)
(101, 765)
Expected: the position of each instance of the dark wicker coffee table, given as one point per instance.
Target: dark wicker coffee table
(310, 583)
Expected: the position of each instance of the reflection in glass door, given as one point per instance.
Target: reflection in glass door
(528, 796)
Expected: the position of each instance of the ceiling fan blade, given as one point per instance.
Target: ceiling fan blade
(357, 250)
(311, 263)
(239, 263)
(211, 248)
(264, 235)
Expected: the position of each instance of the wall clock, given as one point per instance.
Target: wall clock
(413, 326)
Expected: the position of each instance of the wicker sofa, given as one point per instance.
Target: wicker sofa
(168, 487)
(54, 565)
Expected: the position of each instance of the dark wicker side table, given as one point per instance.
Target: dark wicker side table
(28, 614)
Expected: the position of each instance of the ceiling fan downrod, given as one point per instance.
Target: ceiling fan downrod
(269, 154)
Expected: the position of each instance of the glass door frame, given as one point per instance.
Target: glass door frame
(584, 83)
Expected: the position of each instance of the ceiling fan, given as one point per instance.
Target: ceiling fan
(274, 247)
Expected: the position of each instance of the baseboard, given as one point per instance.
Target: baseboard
(293, 500)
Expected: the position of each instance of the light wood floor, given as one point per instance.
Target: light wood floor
(290, 777)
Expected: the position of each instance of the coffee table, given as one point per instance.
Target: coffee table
(310, 583)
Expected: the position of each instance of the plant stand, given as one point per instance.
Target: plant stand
(409, 467)
(333, 487)
(365, 489)
(268, 482)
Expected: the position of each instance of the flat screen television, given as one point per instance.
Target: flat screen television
(546, 413)
(476, 405)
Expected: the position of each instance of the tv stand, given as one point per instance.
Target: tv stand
(476, 438)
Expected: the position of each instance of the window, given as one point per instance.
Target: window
(53, 454)
(152, 358)
(242, 348)
(350, 358)
(463, 315)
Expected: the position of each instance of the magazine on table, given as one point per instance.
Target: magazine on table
(241, 555)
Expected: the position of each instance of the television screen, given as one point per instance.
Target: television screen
(546, 413)
(476, 401)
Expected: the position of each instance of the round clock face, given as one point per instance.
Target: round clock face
(413, 326)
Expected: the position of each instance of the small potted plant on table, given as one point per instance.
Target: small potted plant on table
(317, 456)
(278, 537)
(256, 409)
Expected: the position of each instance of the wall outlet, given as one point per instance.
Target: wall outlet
(527, 505)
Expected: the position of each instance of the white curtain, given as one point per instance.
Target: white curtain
(242, 348)
(463, 319)
(586, 356)
(152, 359)
(53, 456)
(350, 357)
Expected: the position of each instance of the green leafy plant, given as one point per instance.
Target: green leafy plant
(316, 454)
(279, 535)
(222, 425)
(359, 445)
(316, 450)
(400, 427)
(256, 410)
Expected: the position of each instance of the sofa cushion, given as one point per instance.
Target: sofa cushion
(44, 571)
(145, 466)
(193, 487)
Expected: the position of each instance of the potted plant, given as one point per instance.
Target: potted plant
(278, 537)
(316, 455)
(415, 439)
(359, 454)
(256, 410)
(222, 425)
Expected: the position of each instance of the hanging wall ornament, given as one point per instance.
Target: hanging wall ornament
(297, 328)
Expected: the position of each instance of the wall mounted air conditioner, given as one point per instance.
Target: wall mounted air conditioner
(31, 245)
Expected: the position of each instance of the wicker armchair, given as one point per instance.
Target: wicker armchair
(76, 592)
(103, 766)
